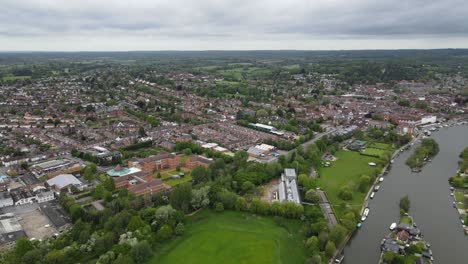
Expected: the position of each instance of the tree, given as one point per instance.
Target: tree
(312, 196)
(76, 212)
(247, 187)
(32, 257)
(141, 132)
(312, 244)
(241, 204)
(345, 193)
(200, 197)
(164, 213)
(364, 182)
(179, 229)
(164, 233)
(315, 259)
(181, 196)
(219, 207)
(123, 259)
(141, 251)
(405, 203)
(55, 257)
(23, 245)
(135, 223)
(200, 174)
(337, 234)
(330, 249)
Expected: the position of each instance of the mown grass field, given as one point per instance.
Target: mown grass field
(346, 171)
(234, 237)
(13, 78)
(374, 152)
(377, 145)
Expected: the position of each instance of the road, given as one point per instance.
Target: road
(310, 142)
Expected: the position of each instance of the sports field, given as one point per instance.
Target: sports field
(234, 237)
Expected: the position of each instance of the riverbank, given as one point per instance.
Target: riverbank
(431, 204)
(367, 198)
(459, 190)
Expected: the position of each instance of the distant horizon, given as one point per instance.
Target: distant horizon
(228, 50)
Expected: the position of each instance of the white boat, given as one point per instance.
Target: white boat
(363, 219)
(372, 195)
(366, 212)
(376, 188)
(392, 161)
(381, 179)
(393, 226)
(372, 164)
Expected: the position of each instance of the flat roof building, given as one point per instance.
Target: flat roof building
(287, 189)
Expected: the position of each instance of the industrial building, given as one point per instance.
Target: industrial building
(287, 189)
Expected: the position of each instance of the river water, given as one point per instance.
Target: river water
(431, 204)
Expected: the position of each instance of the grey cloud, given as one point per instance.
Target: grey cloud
(243, 20)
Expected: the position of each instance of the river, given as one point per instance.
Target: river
(431, 204)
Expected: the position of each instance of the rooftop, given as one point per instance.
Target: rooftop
(63, 180)
(122, 171)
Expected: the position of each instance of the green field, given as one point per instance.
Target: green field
(406, 220)
(377, 145)
(174, 182)
(374, 152)
(292, 67)
(13, 78)
(234, 237)
(346, 171)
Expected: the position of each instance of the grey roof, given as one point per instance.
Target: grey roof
(391, 245)
(290, 173)
(63, 180)
(5, 195)
(55, 214)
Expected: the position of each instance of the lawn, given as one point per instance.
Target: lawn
(459, 196)
(374, 152)
(13, 78)
(406, 220)
(346, 171)
(234, 237)
(174, 182)
(378, 145)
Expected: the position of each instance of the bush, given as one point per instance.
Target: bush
(219, 207)
(345, 194)
(405, 203)
(311, 196)
(179, 230)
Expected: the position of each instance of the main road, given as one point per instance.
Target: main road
(431, 204)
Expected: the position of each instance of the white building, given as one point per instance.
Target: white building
(428, 120)
(287, 189)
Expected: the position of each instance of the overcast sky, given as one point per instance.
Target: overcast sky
(79, 25)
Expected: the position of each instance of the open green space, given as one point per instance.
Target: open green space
(459, 196)
(374, 152)
(239, 73)
(406, 220)
(345, 171)
(378, 145)
(234, 237)
(174, 182)
(13, 78)
(292, 67)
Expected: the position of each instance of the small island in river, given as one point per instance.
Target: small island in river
(422, 154)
